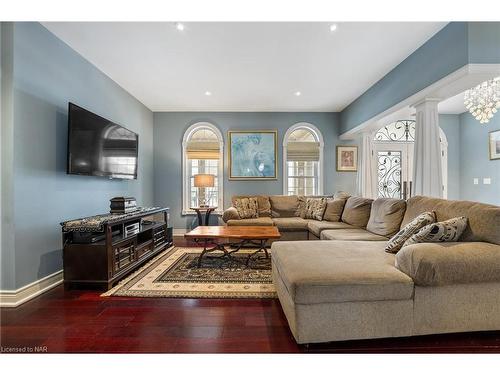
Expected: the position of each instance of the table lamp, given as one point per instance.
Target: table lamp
(202, 181)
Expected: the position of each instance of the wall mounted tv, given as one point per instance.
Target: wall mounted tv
(99, 147)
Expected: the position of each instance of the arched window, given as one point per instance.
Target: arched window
(393, 147)
(303, 160)
(202, 153)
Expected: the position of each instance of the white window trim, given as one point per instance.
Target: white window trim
(319, 138)
(186, 193)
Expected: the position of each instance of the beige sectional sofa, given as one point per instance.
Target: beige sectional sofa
(346, 286)
(285, 213)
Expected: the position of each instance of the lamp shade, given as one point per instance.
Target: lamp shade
(204, 180)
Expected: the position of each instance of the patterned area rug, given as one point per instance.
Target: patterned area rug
(174, 273)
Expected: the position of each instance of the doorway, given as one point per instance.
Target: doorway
(393, 147)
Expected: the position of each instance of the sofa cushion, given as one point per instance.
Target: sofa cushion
(315, 208)
(247, 207)
(444, 263)
(341, 195)
(397, 242)
(357, 211)
(444, 231)
(334, 208)
(484, 219)
(355, 234)
(284, 205)
(290, 224)
(339, 271)
(255, 221)
(316, 227)
(263, 203)
(386, 215)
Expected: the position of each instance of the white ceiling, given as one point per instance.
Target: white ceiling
(246, 66)
(453, 106)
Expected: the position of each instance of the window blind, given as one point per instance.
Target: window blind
(203, 150)
(302, 151)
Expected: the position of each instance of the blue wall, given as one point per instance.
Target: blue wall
(456, 45)
(475, 161)
(47, 75)
(7, 256)
(416, 72)
(169, 128)
(484, 42)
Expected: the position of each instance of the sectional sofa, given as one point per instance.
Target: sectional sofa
(285, 212)
(346, 286)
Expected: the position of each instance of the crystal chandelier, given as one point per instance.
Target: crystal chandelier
(483, 100)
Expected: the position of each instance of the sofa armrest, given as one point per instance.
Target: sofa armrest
(230, 214)
(446, 263)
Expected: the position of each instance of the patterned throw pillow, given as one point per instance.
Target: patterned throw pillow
(315, 208)
(399, 239)
(247, 207)
(444, 231)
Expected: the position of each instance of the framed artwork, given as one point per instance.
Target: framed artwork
(494, 144)
(347, 158)
(253, 154)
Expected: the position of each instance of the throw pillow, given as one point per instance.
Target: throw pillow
(315, 208)
(301, 208)
(334, 208)
(399, 239)
(264, 206)
(247, 207)
(444, 231)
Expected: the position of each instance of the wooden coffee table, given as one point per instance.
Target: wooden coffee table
(246, 235)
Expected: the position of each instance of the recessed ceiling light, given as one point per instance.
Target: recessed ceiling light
(333, 27)
(208, 93)
(298, 93)
(179, 26)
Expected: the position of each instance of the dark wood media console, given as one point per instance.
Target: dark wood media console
(109, 255)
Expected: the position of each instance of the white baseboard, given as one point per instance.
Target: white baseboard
(14, 298)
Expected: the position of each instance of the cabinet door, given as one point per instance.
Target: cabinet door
(124, 255)
(159, 236)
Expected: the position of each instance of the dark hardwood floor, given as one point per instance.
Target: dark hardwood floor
(82, 321)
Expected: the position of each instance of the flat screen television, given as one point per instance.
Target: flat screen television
(99, 147)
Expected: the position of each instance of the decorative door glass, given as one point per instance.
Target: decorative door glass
(389, 174)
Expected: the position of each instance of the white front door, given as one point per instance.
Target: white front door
(393, 147)
(394, 163)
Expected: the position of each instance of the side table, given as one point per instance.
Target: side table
(207, 211)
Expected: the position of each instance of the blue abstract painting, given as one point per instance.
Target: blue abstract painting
(252, 155)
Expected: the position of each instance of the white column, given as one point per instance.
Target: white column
(427, 169)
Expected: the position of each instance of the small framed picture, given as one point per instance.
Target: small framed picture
(495, 145)
(347, 158)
